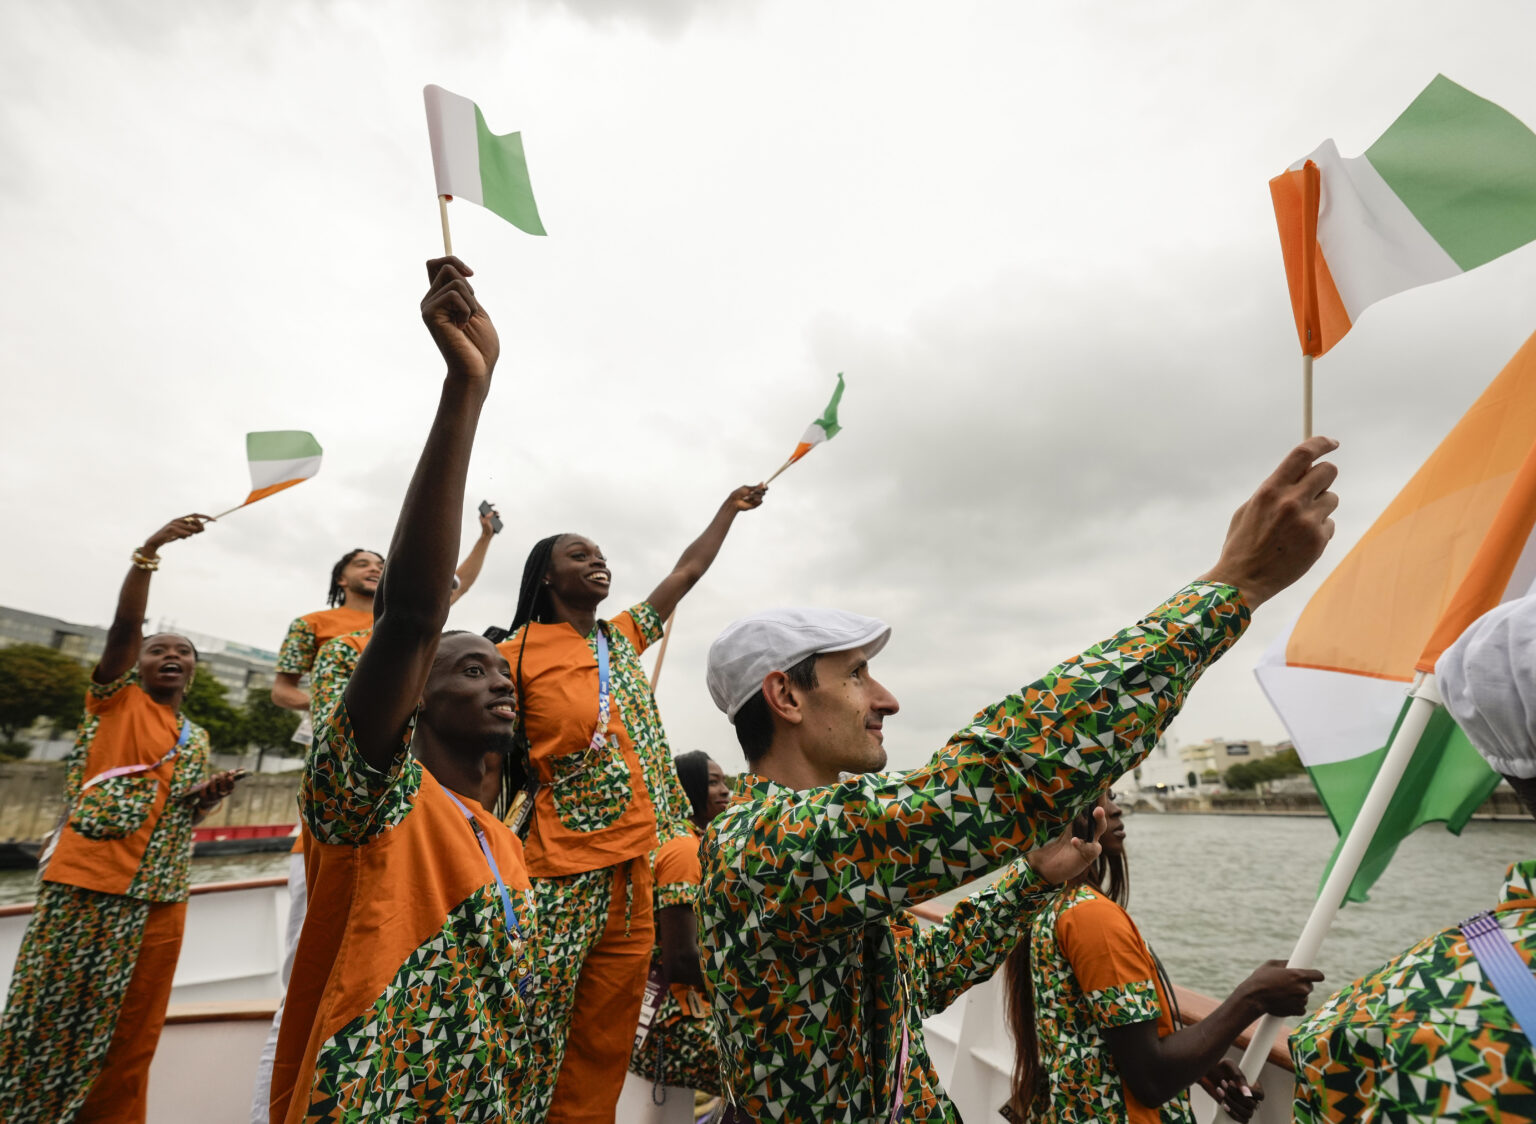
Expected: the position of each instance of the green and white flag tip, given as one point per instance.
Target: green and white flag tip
(822, 429)
(473, 163)
(280, 458)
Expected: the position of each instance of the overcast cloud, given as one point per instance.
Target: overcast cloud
(1037, 239)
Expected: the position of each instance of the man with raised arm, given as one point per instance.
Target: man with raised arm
(817, 988)
(410, 987)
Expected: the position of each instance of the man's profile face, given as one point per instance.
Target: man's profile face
(362, 574)
(844, 714)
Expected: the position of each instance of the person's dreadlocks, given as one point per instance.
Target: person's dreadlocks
(336, 593)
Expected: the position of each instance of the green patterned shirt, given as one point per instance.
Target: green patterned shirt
(809, 981)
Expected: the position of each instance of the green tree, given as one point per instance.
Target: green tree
(37, 682)
(269, 727)
(207, 704)
(1247, 774)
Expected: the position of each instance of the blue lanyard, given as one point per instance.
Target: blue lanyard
(525, 981)
(1504, 968)
(600, 734)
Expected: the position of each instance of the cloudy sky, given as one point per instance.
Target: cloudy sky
(1037, 238)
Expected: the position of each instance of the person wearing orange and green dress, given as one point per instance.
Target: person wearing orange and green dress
(93, 975)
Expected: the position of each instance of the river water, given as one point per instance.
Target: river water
(1217, 895)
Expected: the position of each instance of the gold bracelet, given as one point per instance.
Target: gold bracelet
(145, 561)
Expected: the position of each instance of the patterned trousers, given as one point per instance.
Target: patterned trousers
(87, 1004)
(596, 932)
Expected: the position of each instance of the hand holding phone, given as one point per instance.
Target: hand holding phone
(487, 508)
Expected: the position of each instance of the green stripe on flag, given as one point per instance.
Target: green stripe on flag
(1465, 168)
(828, 420)
(1446, 782)
(281, 445)
(504, 179)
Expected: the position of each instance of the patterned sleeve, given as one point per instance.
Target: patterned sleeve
(102, 697)
(839, 856)
(971, 943)
(676, 872)
(329, 677)
(1110, 961)
(345, 800)
(641, 624)
(297, 655)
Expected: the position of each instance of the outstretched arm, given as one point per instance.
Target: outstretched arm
(126, 632)
(469, 569)
(701, 552)
(412, 602)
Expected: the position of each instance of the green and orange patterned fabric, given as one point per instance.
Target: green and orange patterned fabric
(592, 813)
(808, 982)
(1425, 1038)
(1090, 968)
(403, 1004)
(307, 633)
(129, 835)
(333, 669)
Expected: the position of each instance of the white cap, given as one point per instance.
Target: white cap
(750, 648)
(1488, 681)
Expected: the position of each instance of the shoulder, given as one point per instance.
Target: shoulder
(640, 624)
(1085, 910)
(677, 860)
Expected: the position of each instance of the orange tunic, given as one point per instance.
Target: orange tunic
(593, 814)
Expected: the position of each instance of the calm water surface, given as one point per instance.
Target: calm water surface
(1217, 895)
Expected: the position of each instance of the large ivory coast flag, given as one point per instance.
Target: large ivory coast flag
(822, 429)
(280, 458)
(474, 163)
(1454, 543)
(1450, 186)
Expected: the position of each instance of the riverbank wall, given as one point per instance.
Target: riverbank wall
(32, 799)
(1502, 805)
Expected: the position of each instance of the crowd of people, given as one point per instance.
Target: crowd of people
(515, 895)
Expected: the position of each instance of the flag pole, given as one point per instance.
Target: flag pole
(661, 652)
(442, 211)
(1426, 699)
(1306, 388)
(781, 468)
(222, 514)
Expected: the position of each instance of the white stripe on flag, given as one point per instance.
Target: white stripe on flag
(266, 473)
(1371, 241)
(455, 144)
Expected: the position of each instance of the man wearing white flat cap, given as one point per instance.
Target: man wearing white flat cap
(1447, 1030)
(818, 987)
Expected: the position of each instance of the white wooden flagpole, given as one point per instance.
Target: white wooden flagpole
(1306, 391)
(1426, 698)
(661, 652)
(442, 210)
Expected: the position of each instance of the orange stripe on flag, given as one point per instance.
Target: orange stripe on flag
(263, 493)
(1444, 546)
(800, 451)
(1321, 319)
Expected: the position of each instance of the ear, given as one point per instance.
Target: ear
(783, 698)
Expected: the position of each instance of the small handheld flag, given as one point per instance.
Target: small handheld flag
(474, 163)
(822, 429)
(280, 458)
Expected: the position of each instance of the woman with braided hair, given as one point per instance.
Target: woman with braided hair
(603, 794)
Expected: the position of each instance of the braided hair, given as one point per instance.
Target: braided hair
(532, 594)
(336, 592)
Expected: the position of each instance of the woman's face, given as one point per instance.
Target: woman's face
(1113, 839)
(719, 792)
(578, 573)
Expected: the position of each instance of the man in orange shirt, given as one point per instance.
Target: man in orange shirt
(410, 987)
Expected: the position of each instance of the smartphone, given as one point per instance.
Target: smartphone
(240, 774)
(485, 509)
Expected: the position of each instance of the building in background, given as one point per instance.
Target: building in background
(1220, 754)
(241, 668)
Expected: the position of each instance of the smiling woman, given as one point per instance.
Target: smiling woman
(601, 797)
(94, 972)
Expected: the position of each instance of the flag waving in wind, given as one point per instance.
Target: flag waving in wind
(280, 458)
(1456, 541)
(1450, 186)
(473, 163)
(822, 429)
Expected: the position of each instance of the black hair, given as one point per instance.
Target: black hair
(693, 771)
(532, 594)
(335, 593)
(754, 721)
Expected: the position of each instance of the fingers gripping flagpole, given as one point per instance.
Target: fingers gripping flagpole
(442, 211)
(1426, 699)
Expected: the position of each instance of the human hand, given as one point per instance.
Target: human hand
(1274, 989)
(487, 526)
(183, 528)
(1228, 1088)
(1067, 856)
(746, 497)
(1275, 537)
(206, 796)
(461, 329)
